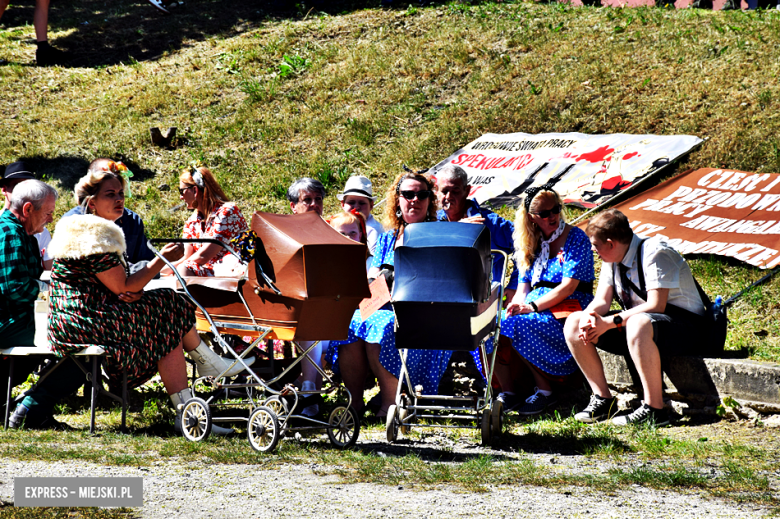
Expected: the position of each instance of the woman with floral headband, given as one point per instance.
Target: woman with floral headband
(214, 216)
(107, 204)
(556, 265)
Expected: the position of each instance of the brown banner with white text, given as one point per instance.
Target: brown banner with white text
(713, 211)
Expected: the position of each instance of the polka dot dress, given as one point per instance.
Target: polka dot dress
(425, 366)
(538, 337)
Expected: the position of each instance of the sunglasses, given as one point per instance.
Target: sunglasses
(548, 212)
(420, 195)
(183, 189)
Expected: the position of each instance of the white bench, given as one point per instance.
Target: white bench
(42, 347)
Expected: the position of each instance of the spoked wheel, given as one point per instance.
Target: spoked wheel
(486, 427)
(278, 405)
(196, 420)
(343, 427)
(497, 418)
(263, 429)
(391, 424)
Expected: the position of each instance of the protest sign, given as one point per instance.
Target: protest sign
(586, 170)
(713, 211)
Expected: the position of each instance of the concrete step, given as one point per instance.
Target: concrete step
(705, 382)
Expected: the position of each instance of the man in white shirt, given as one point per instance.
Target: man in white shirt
(662, 314)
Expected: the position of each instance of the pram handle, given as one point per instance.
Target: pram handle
(230, 249)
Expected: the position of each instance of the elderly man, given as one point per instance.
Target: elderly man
(452, 185)
(662, 314)
(31, 208)
(15, 173)
(305, 195)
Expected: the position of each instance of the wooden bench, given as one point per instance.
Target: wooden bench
(92, 354)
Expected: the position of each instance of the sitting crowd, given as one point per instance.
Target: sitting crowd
(550, 332)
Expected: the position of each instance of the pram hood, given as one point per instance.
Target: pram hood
(442, 295)
(443, 262)
(320, 273)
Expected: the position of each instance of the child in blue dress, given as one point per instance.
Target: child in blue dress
(556, 265)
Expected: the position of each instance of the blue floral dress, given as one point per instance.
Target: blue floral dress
(425, 366)
(538, 337)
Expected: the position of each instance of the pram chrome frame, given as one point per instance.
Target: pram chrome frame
(488, 413)
(271, 417)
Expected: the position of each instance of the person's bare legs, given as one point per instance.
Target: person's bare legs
(191, 339)
(539, 380)
(173, 370)
(353, 365)
(41, 20)
(586, 356)
(388, 383)
(503, 372)
(644, 353)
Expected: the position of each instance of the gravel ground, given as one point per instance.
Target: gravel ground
(172, 489)
(196, 489)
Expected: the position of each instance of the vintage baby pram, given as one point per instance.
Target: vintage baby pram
(302, 282)
(443, 299)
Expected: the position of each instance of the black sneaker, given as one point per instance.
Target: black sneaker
(510, 401)
(536, 403)
(598, 409)
(47, 56)
(644, 414)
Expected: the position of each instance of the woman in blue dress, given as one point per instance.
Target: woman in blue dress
(371, 342)
(556, 263)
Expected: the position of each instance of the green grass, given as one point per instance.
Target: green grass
(11, 512)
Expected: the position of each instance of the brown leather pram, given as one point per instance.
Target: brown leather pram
(303, 281)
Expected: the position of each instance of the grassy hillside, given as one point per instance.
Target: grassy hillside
(264, 97)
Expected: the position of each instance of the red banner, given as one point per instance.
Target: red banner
(713, 211)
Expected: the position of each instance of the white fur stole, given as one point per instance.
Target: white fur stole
(80, 236)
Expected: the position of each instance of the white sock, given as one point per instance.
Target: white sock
(545, 393)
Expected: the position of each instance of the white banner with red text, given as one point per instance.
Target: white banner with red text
(586, 170)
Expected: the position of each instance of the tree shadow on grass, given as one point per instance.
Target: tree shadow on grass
(68, 170)
(123, 31)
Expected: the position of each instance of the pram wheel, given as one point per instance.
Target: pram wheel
(343, 427)
(497, 418)
(487, 427)
(391, 424)
(263, 429)
(278, 405)
(196, 420)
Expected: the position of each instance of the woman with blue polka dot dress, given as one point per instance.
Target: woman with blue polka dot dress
(371, 342)
(556, 263)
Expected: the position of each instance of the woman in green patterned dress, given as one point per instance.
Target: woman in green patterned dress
(94, 300)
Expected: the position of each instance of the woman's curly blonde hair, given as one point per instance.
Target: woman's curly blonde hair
(392, 206)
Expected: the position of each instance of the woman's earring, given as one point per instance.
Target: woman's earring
(398, 213)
